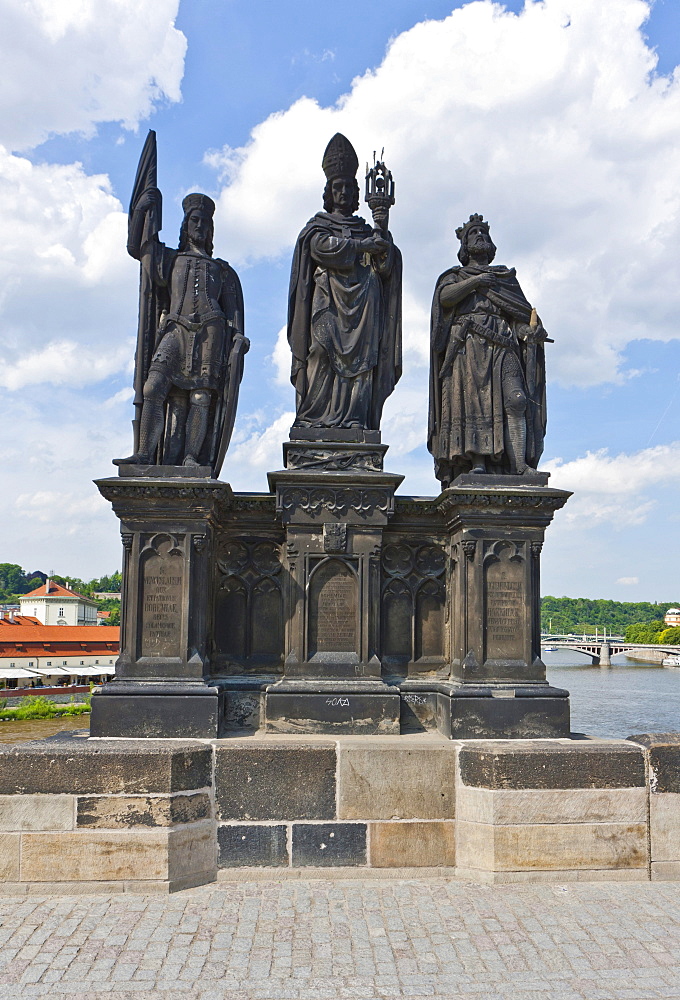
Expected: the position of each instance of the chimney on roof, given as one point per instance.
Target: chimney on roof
(47, 585)
(11, 617)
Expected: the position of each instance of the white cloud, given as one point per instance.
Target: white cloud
(615, 489)
(551, 123)
(280, 358)
(249, 459)
(68, 285)
(70, 64)
(628, 581)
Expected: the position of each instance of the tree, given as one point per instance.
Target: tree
(669, 636)
(645, 632)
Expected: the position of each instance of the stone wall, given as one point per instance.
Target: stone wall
(76, 815)
(103, 815)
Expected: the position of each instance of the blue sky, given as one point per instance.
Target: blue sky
(559, 121)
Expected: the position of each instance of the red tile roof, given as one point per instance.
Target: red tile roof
(59, 640)
(20, 620)
(56, 590)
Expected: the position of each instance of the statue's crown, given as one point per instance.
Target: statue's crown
(340, 159)
(474, 220)
(196, 200)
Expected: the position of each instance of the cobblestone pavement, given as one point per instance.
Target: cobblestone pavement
(365, 939)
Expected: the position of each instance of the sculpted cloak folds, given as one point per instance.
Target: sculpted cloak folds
(344, 324)
(480, 349)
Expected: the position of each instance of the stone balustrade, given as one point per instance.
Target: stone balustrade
(161, 815)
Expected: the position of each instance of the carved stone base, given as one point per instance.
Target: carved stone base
(366, 708)
(336, 456)
(487, 712)
(151, 711)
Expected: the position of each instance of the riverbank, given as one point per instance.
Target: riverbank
(39, 707)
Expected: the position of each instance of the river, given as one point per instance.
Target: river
(627, 698)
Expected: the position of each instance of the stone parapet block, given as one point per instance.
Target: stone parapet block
(664, 826)
(392, 780)
(114, 855)
(275, 780)
(10, 846)
(412, 844)
(529, 806)
(553, 764)
(253, 845)
(560, 846)
(328, 844)
(114, 812)
(116, 766)
(554, 876)
(37, 812)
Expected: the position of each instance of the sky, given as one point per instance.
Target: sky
(559, 121)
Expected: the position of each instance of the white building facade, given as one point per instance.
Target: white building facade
(54, 604)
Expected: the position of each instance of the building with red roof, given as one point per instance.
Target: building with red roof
(55, 604)
(52, 655)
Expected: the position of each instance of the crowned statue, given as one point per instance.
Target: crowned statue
(487, 369)
(344, 307)
(190, 342)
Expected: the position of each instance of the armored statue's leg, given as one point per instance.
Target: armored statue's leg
(516, 446)
(152, 422)
(153, 417)
(175, 423)
(197, 425)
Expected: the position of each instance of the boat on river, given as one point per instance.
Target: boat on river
(671, 661)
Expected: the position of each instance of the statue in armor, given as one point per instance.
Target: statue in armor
(344, 306)
(190, 346)
(487, 367)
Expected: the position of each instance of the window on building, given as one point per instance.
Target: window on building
(30, 663)
(35, 612)
(49, 663)
(82, 663)
(61, 612)
(12, 664)
(64, 663)
(96, 662)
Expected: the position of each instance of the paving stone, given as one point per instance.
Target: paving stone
(578, 942)
(251, 844)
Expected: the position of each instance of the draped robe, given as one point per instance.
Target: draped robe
(479, 348)
(344, 325)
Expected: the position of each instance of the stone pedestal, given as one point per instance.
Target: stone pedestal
(334, 501)
(498, 681)
(162, 685)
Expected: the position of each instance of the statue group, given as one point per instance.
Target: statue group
(329, 603)
(487, 410)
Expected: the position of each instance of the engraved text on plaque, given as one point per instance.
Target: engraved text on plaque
(162, 603)
(333, 609)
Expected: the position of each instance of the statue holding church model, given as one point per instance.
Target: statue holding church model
(344, 307)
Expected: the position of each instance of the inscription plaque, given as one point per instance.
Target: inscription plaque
(333, 609)
(505, 609)
(162, 579)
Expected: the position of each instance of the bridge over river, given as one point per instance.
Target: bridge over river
(601, 650)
